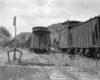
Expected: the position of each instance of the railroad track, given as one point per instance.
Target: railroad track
(84, 69)
(72, 77)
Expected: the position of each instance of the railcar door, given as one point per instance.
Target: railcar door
(40, 39)
(44, 40)
(69, 38)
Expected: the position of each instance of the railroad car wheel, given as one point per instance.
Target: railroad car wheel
(44, 50)
(98, 56)
(73, 51)
(80, 52)
(90, 53)
(86, 52)
(34, 50)
(68, 51)
(37, 51)
(48, 51)
(31, 49)
(83, 52)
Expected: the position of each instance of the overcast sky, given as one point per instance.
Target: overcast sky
(32, 13)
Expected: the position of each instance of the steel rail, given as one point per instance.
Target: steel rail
(61, 69)
(87, 70)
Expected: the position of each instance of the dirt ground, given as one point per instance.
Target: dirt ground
(23, 73)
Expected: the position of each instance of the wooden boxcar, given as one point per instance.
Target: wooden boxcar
(65, 35)
(40, 39)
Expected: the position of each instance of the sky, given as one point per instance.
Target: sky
(32, 13)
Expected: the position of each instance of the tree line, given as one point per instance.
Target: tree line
(6, 38)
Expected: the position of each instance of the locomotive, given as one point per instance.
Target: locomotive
(82, 38)
(39, 40)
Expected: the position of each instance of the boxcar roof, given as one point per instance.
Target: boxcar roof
(70, 22)
(40, 28)
(86, 21)
(73, 26)
(70, 26)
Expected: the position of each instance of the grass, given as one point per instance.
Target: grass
(30, 57)
(85, 62)
(18, 72)
(81, 61)
(4, 56)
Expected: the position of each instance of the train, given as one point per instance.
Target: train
(75, 37)
(39, 40)
(82, 38)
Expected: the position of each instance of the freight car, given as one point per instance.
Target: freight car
(64, 35)
(83, 38)
(86, 37)
(39, 40)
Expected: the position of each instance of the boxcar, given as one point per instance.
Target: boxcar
(86, 37)
(65, 38)
(40, 40)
